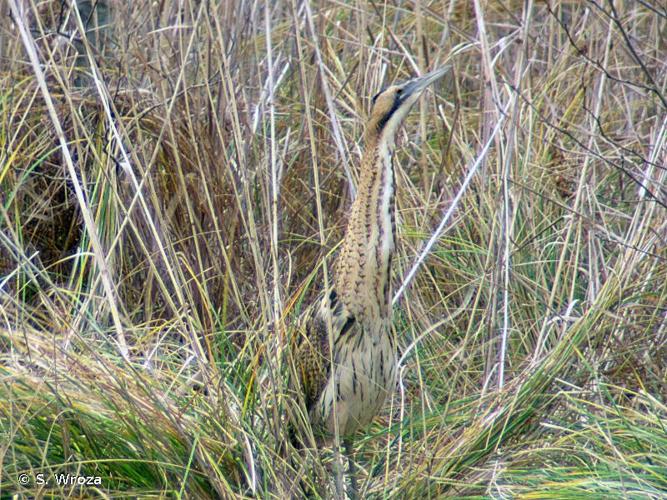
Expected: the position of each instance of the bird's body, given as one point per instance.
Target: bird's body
(364, 369)
(353, 315)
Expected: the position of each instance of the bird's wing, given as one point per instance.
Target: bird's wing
(312, 362)
(313, 359)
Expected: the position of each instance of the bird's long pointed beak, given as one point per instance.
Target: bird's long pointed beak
(418, 84)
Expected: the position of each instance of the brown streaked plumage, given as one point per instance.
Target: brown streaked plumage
(357, 305)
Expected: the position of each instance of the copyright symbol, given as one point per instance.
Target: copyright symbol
(24, 478)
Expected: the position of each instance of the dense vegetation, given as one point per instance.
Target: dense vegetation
(174, 180)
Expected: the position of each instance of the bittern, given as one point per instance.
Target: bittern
(353, 315)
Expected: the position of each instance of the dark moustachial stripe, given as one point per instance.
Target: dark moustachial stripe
(383, 121)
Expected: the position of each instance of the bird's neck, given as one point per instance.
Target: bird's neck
(363, 266)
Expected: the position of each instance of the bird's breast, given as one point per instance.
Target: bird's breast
(364, 371)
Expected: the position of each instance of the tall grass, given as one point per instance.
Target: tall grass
(174, 180)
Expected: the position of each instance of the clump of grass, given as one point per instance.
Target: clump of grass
(174, 182)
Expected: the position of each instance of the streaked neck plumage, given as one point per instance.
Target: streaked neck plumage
(363, 267)
(362, 276)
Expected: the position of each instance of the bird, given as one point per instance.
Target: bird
(344, 390)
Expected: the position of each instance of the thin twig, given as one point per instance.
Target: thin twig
(445, 218)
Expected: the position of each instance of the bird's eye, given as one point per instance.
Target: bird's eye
(399, 91)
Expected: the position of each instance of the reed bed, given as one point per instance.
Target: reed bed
(174, 181)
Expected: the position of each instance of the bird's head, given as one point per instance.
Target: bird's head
(391, 105)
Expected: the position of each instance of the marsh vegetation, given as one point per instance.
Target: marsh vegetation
(174, 181)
